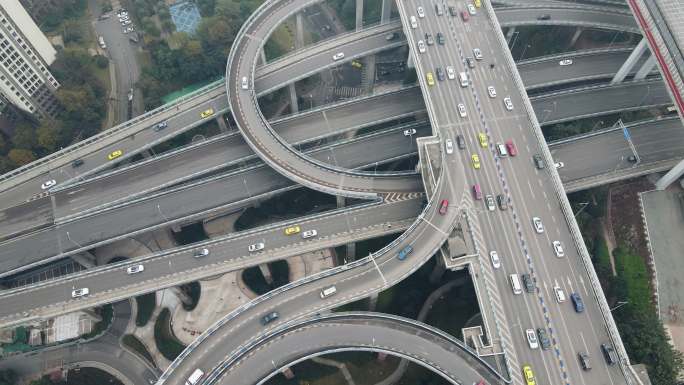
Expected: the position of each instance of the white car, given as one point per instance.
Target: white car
(494, 256)
(508, 103)
(558, 249)
(410, 131)
(449, 146)
(135, 269)
(461, 110)
(559, 164)
(491, 91)
(80, 292)
(560, 295)
(201, 253)
(48, 184)
(451, 73)
(256, 247)
(414, 22)
(477, 53)
(245, 84)
(538, 226)
(532, 338)
(565, 62)
(338, 56)
(309, 234)
(421, 12)
(471, 10)
(127, 22)
(421, 46)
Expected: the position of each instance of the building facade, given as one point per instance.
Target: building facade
(25, 54)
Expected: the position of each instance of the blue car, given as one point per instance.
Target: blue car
(577, 302)
(404, 252)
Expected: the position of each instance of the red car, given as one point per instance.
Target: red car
(477, 192)
(510, 146)
(465, 16)
(443, 207)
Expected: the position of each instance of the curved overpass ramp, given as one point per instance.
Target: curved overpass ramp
(570, 15)
(371, 332)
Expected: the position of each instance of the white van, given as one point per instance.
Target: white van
(328, 291)
(463, 78)
(515, 283)
(195, 377)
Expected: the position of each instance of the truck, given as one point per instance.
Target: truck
(195, 377)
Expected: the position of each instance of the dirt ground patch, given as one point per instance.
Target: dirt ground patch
(625, 214)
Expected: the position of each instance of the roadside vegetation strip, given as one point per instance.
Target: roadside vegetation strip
(167, 343)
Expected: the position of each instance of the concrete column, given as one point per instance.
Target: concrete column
(671, 176)
(182, 295)
(294, 105)
(86, 259)
(288, 373)
(351, 247)
(359, 14)
(646, 68)
(576, 36)
(628, 65)
(369, 70)
(382, 356)
(262, 55)
(409, 61)
(222, 124)
(439, 269)
(386, 11)
(373, 303)
(266, 271)
(299, 35)
(509, 35)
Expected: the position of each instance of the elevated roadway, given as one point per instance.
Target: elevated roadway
(137, 135)
(227, 253)
(370, 332)
(579, 15)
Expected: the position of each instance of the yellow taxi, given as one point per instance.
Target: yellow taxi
(114, 154)
(430, 79)
(482, 137)
(207, 113)
(478, 3)
(529, 375)
(293, 230)
(476, 161)
(356, 64)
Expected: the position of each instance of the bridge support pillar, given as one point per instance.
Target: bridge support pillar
(369, 72)
(359, 14)
(646, 68)
(576, 36)
(262, 55)
(182, 295)
(288, 373)
(351, 247)
(299, 34)
(86, 259)
(386, 11)
(509, 35)
(628, 65)
(439, 269)
(294, 105)
(409, 61)
(222, 124)
(671, 176)
(382, 356)
(373, 302)
(266, 271)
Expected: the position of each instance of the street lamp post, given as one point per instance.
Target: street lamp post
(619, 304)
(524, 50)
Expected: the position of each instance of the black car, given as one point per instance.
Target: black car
(609, 354)
(452, 10)
(429, 39)
(502, 201)
(440, 73)
(460, 142)
(471, 62)
(538, 161)
(584, 361)
(527, 281)
(577, 302)
(77, 163)
(270, 317)
(440, 38)
(544, 17)
(544, 339)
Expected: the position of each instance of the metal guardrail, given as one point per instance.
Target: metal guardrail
(218, 370)
(107, 133)
(565, 207)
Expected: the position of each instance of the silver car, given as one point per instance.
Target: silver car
(461, 110)
(558, 249)
(256, 247)
(477, 53)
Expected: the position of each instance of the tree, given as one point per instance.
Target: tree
(48, 136)
(24, 136)
(20, 156)
(101, 61)
(3, 144)
(8, 377)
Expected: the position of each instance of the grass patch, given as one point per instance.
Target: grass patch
(146, 304)
(166, 342)
(133, 343)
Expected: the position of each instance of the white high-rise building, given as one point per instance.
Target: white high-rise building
(25, 54)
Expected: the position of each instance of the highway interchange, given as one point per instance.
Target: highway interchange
(321, 171)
